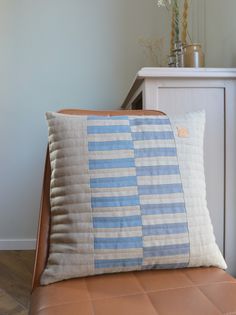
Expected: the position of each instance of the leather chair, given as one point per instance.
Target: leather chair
(200, 291)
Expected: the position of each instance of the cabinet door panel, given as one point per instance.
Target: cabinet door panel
(181, 100)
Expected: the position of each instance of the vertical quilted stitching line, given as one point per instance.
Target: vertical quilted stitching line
(91, 194)
(132, 136)
(177, 156)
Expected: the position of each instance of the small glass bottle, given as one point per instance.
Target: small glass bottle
(179, 54)
(171, 61)
(193, 56)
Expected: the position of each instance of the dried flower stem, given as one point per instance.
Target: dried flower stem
(185, 22)
(176, 9)
(172, 34)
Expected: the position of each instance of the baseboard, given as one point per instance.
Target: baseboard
(17, 244)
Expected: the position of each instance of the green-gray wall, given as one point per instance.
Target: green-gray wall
(54, 54)
(75, 53)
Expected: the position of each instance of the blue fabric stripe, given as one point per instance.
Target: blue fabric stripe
(151, 152)
(119, 201)
(150, 209)
(111, 163)
(160, 189)
(165, 266)
(106, 182)
(111, 263)
(117, 222)
(110, 145)
(93, 117)
(117, 243)
(149, 121)
(166, 250)
(152, 135)
(108, 129)
(162, 229)
(157, 170)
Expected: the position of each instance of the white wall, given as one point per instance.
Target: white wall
(220, 33)
(54, 54)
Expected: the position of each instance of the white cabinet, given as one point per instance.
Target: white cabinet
(176, 91)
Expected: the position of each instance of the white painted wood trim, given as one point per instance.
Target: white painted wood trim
(17, 244)
(135, 95)
(230, 147)
(136, 85)
(167, 83)
(150, 94)
(186, 73)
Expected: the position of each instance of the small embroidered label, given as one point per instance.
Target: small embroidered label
(182, 132)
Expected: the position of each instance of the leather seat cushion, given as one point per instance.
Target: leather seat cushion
(200, 291)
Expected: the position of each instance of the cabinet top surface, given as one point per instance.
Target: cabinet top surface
(186, 72)
(178, 74)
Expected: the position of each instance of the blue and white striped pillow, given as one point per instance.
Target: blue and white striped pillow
(123, 198)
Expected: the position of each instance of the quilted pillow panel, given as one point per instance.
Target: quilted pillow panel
(127, 193)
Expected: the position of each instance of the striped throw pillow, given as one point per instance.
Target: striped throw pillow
(127, 193)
